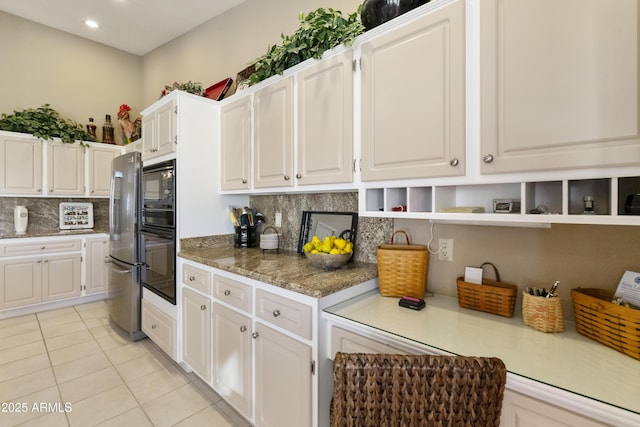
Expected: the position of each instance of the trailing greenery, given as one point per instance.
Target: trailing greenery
(318, 32)
(44, 122)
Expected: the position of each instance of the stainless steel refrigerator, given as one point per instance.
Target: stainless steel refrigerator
(124, 290)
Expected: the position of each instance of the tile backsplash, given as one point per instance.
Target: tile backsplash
(44, 213)
(371, 231)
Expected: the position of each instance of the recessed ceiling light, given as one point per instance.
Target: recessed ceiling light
(91, 24)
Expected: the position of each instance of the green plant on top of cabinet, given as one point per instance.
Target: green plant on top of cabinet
(21, 162)
(159, 131)
(273, 135)
(560, 95)
(235, 145)
(325, 121)
(413, 98)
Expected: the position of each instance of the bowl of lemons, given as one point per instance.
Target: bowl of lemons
(328, 254)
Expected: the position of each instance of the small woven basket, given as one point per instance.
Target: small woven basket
(543, 314)
(613, 325)
(402, 269)
(492, 296)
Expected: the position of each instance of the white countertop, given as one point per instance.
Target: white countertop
(564, 360)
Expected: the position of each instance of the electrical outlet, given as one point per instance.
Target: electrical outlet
(446, 249)
(278, 219)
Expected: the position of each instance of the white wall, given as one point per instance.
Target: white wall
(78, 77)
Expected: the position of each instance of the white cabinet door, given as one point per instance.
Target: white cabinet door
(282, 379)
(21, 161)
(325, 121)
(65, 169)
(95, 270)
(273, 135)
(20, 282)
(159, 131)
(61, 276)
(235, 146)
(519, 410)
(231, 345)
(563, 94)
(100, 169)
(196, 332)
(413, 98)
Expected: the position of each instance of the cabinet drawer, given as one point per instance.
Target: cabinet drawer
(37, 248)
(159, 327)
(288, 314)
(196, 278)
(350, 342)
(231, 291)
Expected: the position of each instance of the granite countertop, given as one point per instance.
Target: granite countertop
(51, 233)
(286, 269)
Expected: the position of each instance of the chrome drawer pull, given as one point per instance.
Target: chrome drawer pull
(227, 292)
(192, 278)
(243, 328)
(276, 313)
(203, 307)
(255, 335)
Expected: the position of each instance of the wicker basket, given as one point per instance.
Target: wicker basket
(492, 296)
(543, 314)
(613, 325)
(402, 269)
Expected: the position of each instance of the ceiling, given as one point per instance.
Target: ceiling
(134, 26)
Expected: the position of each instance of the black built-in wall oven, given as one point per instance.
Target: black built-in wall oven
(158, 233)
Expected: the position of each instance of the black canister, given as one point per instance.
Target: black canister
(245, 236)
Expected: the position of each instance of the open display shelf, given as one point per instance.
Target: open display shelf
(519, 203)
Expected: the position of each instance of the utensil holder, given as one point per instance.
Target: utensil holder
(245, 236)
(543, 314)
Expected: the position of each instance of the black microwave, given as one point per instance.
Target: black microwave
(159, 194)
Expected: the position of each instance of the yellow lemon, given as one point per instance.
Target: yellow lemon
(334, 251)
(308, 247)
(315, 251)
(339, 243)
(326, 247)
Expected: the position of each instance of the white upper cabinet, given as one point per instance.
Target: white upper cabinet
(21, 161)
(235, 146)
(273, 135)
(159, 135)
(325, 121)
(65, 169)
(100, 168)
(413, 98)
(559, 84)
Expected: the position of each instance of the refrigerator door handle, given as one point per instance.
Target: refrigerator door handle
(114, 213)
(115, 268)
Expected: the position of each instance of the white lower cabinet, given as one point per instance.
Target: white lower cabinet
(35, 271)
(232, 369)
(95, 272)
(160, 328)
(283, 369)
(196, 332)
(252, 344)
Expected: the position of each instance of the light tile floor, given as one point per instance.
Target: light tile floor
(68, 367)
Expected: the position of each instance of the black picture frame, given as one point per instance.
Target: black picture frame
(342, 224)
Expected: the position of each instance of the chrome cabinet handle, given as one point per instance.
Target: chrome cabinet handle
(203, 307)
(255, 335)
(276, 313)
(299, 175)
(227, 292)
(153, 326)
(243, 328)
(286, 178)
(43, 247)
(454, 162)
(488, 158)
(192, 278)
(244, 180)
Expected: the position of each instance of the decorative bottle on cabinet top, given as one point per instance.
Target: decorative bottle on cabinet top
(20, 219)
(107, 131)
